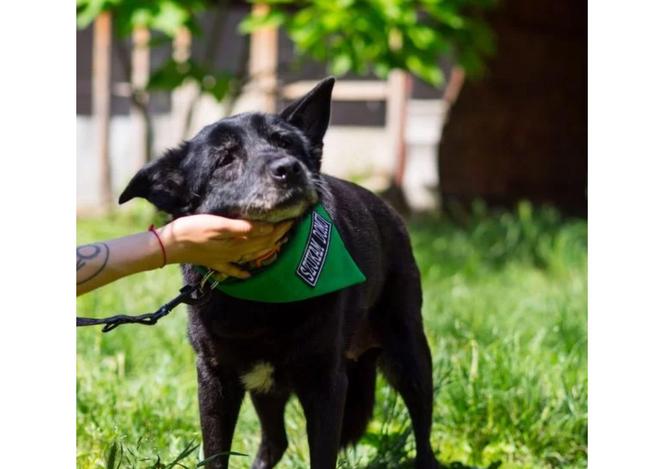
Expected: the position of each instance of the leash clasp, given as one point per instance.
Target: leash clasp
(198, 294)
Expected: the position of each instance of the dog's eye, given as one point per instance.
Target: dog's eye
(281, 141)
(225, 158)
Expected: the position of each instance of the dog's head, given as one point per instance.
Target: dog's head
(253, 166)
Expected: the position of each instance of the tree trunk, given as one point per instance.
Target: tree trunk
(101, 103)
(521, 131)
(140, 74)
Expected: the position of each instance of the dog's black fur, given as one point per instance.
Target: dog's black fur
(325, 350)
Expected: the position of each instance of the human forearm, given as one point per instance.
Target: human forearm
(215, 242)
(101, 263)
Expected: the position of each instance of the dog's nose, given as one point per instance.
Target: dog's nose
(285, 169)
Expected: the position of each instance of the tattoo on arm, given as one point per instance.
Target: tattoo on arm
(89, 256)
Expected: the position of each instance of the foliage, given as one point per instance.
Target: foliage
(172, 74)
(362, 36)
(365, 36)
(166, 17)
(505, 313)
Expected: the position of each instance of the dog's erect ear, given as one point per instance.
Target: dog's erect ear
(311, 113)
(161, 182)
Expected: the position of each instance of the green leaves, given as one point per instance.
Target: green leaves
(430, 73)
(173, 74)
(273, 19)
(166, 16)
(218, 455)
(376, 36)
(88, 10)
(341, 64)
(359, 36)
(110, 458)
(114, 460)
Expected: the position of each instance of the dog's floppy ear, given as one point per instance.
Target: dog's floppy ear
(161, 182)
(311, 113)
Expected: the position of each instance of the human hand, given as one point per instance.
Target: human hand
(218, 242)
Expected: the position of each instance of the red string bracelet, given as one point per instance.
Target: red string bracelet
(163, 249)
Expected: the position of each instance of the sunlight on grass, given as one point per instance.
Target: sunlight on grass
(505, 312)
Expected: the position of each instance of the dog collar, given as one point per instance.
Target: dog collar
(313, 262)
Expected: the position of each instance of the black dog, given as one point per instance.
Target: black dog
(327, 349)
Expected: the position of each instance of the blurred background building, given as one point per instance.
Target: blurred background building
(517, 133)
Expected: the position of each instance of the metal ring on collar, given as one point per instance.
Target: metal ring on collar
(206, 277)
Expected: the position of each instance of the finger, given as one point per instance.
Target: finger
(232, 271)
(262, 242)
(219, 276)
(286, 225)
(231, 228)
(243, 246)
(281, 229)
(257, 254)
(250, 246)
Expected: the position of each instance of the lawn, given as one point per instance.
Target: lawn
(505, 312)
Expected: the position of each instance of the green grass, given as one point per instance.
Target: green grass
(505, 312)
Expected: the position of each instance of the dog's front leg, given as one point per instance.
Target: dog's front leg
(219, 399)
(323, 398)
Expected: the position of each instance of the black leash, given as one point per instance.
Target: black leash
(191, 294)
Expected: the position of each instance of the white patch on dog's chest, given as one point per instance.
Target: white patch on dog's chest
(259, 378)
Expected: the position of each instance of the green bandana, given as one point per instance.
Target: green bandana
(313, 262)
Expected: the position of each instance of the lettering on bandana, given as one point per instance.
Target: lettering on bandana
(314, 256)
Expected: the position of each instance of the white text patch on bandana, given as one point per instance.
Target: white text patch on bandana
(315, 253)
